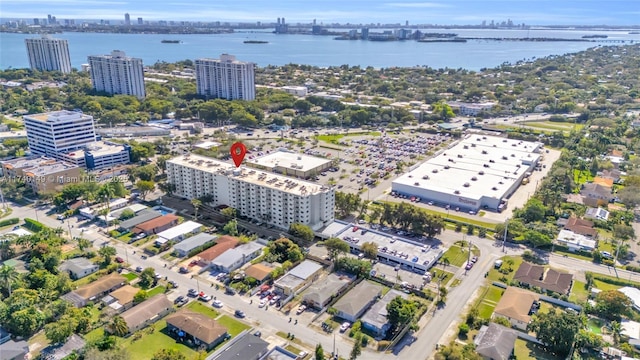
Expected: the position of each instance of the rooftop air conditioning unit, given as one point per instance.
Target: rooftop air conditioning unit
(467, 184)
(457, 192)
(474, 179)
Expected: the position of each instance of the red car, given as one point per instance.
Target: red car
(355, 228)
(119, 260)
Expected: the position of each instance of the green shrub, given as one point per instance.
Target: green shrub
(463, 329)
(355, 328)
(11, 221)
(33, 225)
(364, 341)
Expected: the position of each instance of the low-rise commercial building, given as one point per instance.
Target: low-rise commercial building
(185, 247)
(354, 303)
(298, 278)
(233, 259)
(179, 232)
(42, 174)
(273, 199)
(98, 155)
(291, 164)
(299, 91)
(132, 131)
(480, 172)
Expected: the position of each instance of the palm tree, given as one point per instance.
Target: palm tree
(8, 275)
(196, 204)
(118, 326)
(616, 330)
(83, 244)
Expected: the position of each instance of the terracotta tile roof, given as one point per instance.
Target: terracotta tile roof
(101, 285)
(603, 181)
(149, 226)
(582, 227)
(548, 279)
(223, 243)
(516, 304)
(197, 325)
(258, 271)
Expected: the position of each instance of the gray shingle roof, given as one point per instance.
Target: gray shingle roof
(495, 342)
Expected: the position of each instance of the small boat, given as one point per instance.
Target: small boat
(171, 41)
(255, 42)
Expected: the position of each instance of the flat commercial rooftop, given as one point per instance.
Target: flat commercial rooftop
(58, 116)
(289, 160)
(478, 166)
(258, 177)
(184, 228)
(98, 148)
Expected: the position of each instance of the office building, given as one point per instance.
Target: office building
(98, 155)
(49, 54)
(480, 172)
(226, 78)
(42, 174)
(291, 164)
(140, 22)
(58, 132)
(127, 19)
(117, 74)
(267, 197)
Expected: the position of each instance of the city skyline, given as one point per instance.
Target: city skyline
(545, 12)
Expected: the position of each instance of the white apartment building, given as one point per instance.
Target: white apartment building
(48, 54)
(98, 155)
(273, 199)
(117, 74)
(58, 132)
(226, 78)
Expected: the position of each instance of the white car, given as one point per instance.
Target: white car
(263, 302)
(217, 304)
(345, 325)
(274, 300)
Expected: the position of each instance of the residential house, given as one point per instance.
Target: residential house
(279, 353)
(14, 350)
(245, 347)
(576, 242)
(141, 217)
(597, 214)
(78, 267)
(630, 329)
(544, 278)
(322, 292)
(595, 193)
(375, 319)
(613, 174)
(179, 232)
(95, 290)
(260, 272)
(223, 243)
(147, 312)
(185, 247)
(298, 278)
(354, 303)
(515, 305)
(633, 294)
(199, 328)
(156, 225)
(582, 227)
(121, 299)
(495, 342)
(606, 182)
(233, 259)
(74, 344)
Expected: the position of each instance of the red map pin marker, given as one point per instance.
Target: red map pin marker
(238, 151)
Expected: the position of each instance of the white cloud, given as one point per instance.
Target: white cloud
(419, 5)
(63, 2)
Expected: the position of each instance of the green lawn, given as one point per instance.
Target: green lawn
(490, 298)
(579, 293)
(199, 307)
(130, 276)
(94, 335)
(458, 255)
(601, 285)
(333, 139)
(234, 327)
(156, 290)
(595, 325)
(126, 237)
(555, 126)
(150, 343)
(573, 255)
(439, 272)
(495, 275)
(526, 350)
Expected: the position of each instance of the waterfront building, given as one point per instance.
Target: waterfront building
(127, 19)
(267, 197)
(226, 78)
(117, 74)
(48, 54)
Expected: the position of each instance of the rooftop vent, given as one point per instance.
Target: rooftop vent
(481, 172)
(474, 179)
(435, 171)
(446, 167)
(465, 147)
(466, 185)
(460, 156)
(513, 155)
(426, 177)
(416, 183)
(484, 152)
(457, 192)
(494, 188)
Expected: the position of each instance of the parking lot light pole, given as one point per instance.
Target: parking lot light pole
(504, 240)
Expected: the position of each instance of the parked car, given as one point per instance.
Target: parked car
(119, 260)
(217, 303)
(474, 259)
(184, 270)
(240, 314)
(192, 292)
(345, 325)
(204, 297)
(179, 299)
(468, 266)
(262, 303)
(173, 284)
(139, 269)
(301, 309)
(274, 300)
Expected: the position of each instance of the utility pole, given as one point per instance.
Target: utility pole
(504, 240)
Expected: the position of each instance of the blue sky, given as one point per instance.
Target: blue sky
(534, 12)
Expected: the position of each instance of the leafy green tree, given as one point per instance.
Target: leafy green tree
(147, 278)
(355, 351)
(196, 203)
(58, 332)
(319, 352)
(140, 296)
(346, 203)
(145, 187)
(611, 304)
(400, 311)
(370, 250)
(302, 231)
(107, 252)
(557, 330)
(442, 110)
(168, 354)
(284, 249)
(534, 210)
(336, 247)
(231, 227)
(229, 212)
(118, 326)
(536, 238)
(126, 214)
